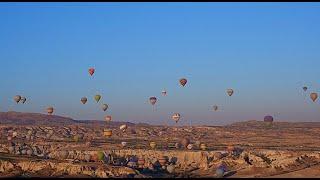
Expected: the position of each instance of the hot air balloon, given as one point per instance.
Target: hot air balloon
(108, 118)
(105, 107)
(84, 100)
(314, 96)
(164, 92)
(163, 160)
(23, 100)
(268, 119)
(97, 97)
(221, 170)
(123, 144)
(50, 110)
(87, 157)
(123, 127)
(215, 107)
(230, 92)
(91, 71)
(17, 98)
(171, 168)
(183, 81)
(190, 146)
(153, 100)
(107, 132)
(203, 147)
(305, 88)
(176, 117)
(152, 144)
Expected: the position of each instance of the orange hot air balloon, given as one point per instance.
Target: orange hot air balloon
(183, 81)
(91, 71)
(50, 110)
(314, 96)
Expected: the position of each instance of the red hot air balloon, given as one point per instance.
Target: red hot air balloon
(91, 71)
(183, 81)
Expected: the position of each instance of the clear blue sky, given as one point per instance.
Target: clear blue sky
(266, 52)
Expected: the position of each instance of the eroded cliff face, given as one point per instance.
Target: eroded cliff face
(115, 163)
(83, 151)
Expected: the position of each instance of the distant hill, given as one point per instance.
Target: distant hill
(103, 123)
(22, 118)
(256, 124)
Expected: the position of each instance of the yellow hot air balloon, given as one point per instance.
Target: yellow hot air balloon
(97, 97)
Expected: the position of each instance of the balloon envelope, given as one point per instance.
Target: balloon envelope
(123, 144)
(183, 81)
(104, 107)
(314, 96)
(91, 71)
(123, 127)
(176, 117)
(84, 100)
(268, 118)
(108, 118)
(153, 100)
(17, 98)
(97, 97)
(50, 110)
(164, 92)
(230, 92)
(305, 88)
(23, 100)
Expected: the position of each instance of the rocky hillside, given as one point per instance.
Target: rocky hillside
(21, 118)
(261, 124)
